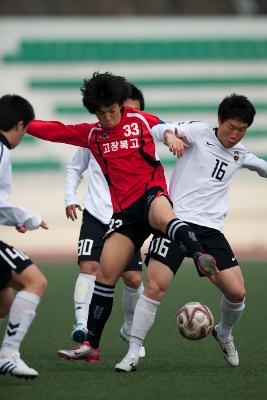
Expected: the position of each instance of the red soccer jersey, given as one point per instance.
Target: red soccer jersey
(125, 153)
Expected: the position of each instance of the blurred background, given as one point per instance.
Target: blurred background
(185, 56)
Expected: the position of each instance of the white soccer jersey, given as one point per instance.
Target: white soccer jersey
(11, 214)
(200, 180)
(97, 199)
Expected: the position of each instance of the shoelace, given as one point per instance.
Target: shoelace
(230, 347)
(81, 347)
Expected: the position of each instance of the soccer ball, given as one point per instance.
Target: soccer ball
(194, 321)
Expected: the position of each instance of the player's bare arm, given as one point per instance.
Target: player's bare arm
(173, 140)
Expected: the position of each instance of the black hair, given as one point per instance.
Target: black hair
(13, 109)
(236, 107)
(103, 90)
(136, 94)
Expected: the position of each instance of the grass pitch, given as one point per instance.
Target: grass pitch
(174, 368)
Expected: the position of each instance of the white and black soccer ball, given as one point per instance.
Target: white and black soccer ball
(194, 321)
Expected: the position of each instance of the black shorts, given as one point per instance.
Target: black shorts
(172, 254)
(133, 220)
(91, 242)
(11, 259)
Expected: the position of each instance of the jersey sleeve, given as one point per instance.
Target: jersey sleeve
(159, 129)
(55, 131)
(74, 175)
(150, 118)
(11, 214)
(188, 130)
(255, 163)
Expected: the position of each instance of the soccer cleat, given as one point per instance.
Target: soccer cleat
(15, 366)
(229, 350)
(83, 352)
(79, 333)
(207, 266)
(125, 337)
(127, 364)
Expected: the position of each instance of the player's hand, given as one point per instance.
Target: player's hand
(173, 140)
(21, 228)
(43, 225)
(71, 211)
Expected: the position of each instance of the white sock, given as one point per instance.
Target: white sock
(230, 316)
(21, 315)
(130, 297)
(83, 292)
(144, 316)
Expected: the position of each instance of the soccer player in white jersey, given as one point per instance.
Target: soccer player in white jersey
(199, 192)
(96, 217)
(17, 270)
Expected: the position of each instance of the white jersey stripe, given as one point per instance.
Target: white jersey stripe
(103, 294)
(12, 265)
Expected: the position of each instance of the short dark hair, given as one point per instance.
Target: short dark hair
(136, 94)
(103, 90)
(237, 107)
(13, 109)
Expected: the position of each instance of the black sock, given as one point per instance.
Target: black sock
(179, 231)
(99, 312)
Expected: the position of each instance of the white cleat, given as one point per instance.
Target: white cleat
(125, 337)
(82, 352)
(127, 364)
(142, 352)
(15, 366)
(229, 350)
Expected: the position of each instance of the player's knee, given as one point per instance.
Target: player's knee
(241, 296)
(133, 280)
(155, 290)
(89, 267)
(237, 296)
(106, 277)
(37, 285)
(43, 284)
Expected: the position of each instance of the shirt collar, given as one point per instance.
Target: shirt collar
(4, 140)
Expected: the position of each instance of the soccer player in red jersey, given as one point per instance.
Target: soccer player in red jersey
(122, 145)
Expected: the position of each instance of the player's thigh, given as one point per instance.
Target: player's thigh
(231, 283)
(30, 279)
(159, 277)
(6, 299)
(117, 252)
(12, 263)
(160, 213)
(166, 251)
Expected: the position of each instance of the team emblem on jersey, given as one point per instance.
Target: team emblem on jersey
(104, 135)
(236, 156)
